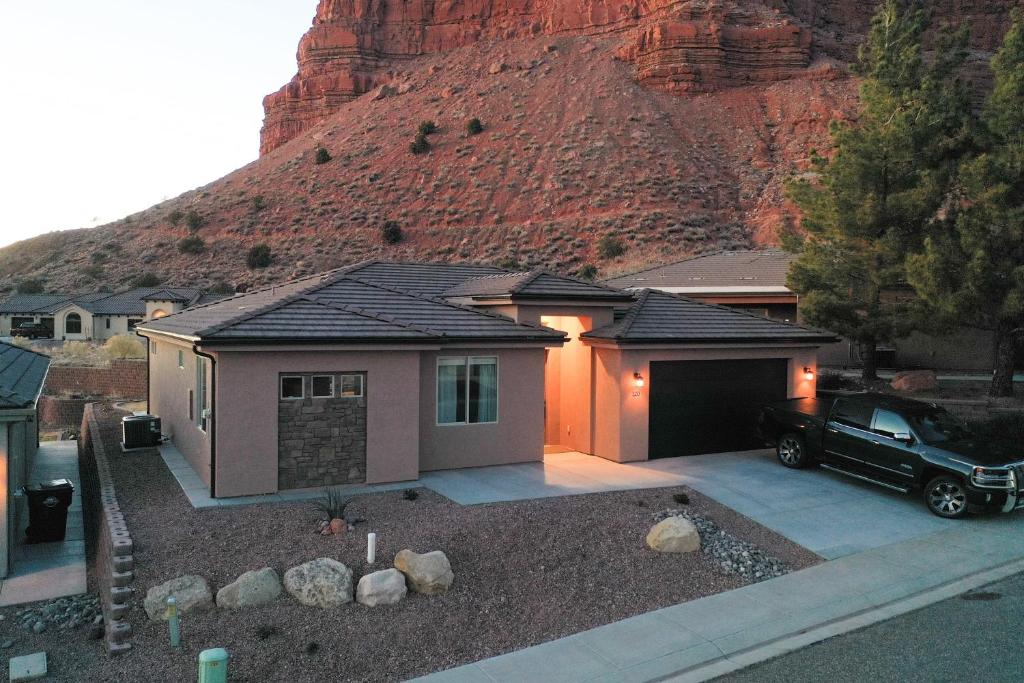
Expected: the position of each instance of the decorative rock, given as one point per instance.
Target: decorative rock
(915, 380)
(322, 582)
(385, 587)
(251, 589)
(496, 68)
(192, 593)
(674, 535)
(429, 573)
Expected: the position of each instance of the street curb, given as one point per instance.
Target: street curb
(785, 644)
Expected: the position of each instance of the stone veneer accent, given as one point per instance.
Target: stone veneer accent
(321, 441)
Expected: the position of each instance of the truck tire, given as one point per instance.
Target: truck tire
(792, 451)
(946, 496)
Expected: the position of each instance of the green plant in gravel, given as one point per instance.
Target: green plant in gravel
(124, 346)
(474, 127)
(191, 245)
(332, 504)
(410, 494)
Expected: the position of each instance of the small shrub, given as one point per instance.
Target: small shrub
(124, 346)
(264, 631)
(259, 256)
(175, 217)
(609, 247)
(587, 272)
(30, 286)
(332, 504)
(410, 494)
(391, 232)
(420, 145)
(193, 221)
(322, 156)
(98, 257)
(221, 287)
(426, 128)
(474, 127)
(147, 280)
(509, 263)
(81, 354)
(191, 245)
(22, 342)
(95, 271)
(832, 380)
(258, 203)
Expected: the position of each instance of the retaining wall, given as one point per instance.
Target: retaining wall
(61, 413)
(122, 379)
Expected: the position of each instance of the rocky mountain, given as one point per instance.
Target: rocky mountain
(666, 127)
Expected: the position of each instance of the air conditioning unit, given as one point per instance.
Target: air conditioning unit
(140, 431)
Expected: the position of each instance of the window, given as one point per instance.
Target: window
(852, 414)
(890, 424)
(323, 386)
(108, 323)
(201, 414)
(467, 390)
(352, 386)
(73, 324)
(181, 359)
(291, 387)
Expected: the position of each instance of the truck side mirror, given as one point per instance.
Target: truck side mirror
(903, 437)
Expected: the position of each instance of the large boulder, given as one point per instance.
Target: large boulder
(322, 582)
(251, 589)
(385, 587)
(428, 573)
(915, 380)
(191, 592)
(674, 535)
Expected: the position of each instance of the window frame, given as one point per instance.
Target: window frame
(280, 388)
(181, 359)
(202, 422)
(312, 386)
(78, 318)
(468, 363)
(887, 434)
(341, 385)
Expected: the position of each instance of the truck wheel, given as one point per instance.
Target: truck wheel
(946, 496)
(792, 451)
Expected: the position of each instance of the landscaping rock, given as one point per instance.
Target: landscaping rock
(496, 68)
(192, 593)
(63, 613)
(322, 582)
(915, 380)
(429, 573)
(385, 587)
(674, 535)
(251, 589)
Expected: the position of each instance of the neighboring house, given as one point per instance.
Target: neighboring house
(97, 316)
(755, 281)
(22, 374)
(379, 371)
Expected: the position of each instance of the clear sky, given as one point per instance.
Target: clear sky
(110, 106)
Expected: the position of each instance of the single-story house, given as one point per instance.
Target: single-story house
(96, 316)
(755, 281)
(379, 371)
(22, 374)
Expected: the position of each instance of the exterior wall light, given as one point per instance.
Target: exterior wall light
(808, 374)
(638, 379)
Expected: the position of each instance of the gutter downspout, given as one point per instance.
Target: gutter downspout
(213, 416)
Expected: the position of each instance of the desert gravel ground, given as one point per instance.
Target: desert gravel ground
(525, 573)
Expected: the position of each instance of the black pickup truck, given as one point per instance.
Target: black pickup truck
(900, 444)
(32, 331)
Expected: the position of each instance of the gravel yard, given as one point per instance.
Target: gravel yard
(525, 573)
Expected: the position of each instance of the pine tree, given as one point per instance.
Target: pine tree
(971, 269)
(888, 171)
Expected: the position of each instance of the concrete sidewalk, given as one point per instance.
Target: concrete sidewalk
(708, 637)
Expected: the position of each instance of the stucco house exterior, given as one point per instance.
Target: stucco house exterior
(95, 316)
(22, 374)
(379, 371)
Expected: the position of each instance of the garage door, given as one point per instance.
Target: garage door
(710, 406)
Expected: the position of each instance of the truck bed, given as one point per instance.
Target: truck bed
(816, 408)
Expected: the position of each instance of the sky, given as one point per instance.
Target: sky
(110, 106)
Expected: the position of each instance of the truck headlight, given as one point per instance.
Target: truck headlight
(994, 478)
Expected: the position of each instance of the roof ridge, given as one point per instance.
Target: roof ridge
(531, 275)
(579, 280)
(739, 311)
(348, 308)
(632, 313)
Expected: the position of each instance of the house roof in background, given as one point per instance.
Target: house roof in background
(352, 305)
(658, 317)
(749, 271)
(535, 284)
(22, 373)
(131, 302)
(432, 279)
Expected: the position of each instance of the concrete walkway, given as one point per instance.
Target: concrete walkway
(705, 638)
(45, 571)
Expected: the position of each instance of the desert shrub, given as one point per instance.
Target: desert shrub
(94, 271)
(587, 271)
(391, 232)
(22, 342)
(78, 353)
(420, 145)
(835, 381)
(124, 346)
(609, 247)
(474, 127)
(426, 128)
(509, 263)
(191, 245)
(332, 504)
(258, 203)
(193, 221)
(175, 216)
(30, 286)
(411, 494)
(146, 280)
(98, 257)
(322, 156)
(221, 287)
(259, 256)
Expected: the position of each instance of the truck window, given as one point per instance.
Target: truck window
(852, 413)
(888, 423)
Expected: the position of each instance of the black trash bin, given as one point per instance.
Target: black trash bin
(48, 503)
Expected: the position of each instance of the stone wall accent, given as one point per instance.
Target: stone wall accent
(321, 441)
(114, 562)
(61, 413)
(122, 379)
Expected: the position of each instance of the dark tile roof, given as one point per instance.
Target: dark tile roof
(751, 270)
(22, 373)
(344, 306)
(535, 284)
(657, 317)
(132, 302)
(432, 279)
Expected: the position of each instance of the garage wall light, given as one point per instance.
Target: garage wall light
(808, 374)
(638, 379)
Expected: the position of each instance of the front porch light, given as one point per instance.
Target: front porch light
(808, 374)
(638, 379)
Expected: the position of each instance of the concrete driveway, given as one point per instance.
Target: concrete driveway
(825, 512)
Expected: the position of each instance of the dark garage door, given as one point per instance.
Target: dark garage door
(710, 406)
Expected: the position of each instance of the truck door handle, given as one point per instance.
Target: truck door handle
(830, 430)
(875, 443)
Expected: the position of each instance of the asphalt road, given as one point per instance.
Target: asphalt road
(977, 636)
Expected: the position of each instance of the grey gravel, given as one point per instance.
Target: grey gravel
(63, 613)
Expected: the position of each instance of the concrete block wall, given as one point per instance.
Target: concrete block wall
(122, 379)
(61, 413)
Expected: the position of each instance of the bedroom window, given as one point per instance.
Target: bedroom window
(291, 388)
(467, 390)
(323, 386)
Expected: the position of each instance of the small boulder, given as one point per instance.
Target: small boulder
(322, 582)
(429, 573)
(915, 380)
(191, 592)
(383, 92)
(496, 68)
(674, 535)
(385, 587)
(251, 589)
